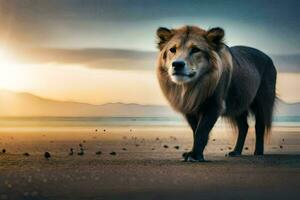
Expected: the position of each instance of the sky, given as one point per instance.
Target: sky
(104, 51)
(268, 25)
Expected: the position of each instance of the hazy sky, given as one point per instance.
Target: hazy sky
(271, 25)
(64, 43)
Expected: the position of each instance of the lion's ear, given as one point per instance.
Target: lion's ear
(164, 35)
(215, 37)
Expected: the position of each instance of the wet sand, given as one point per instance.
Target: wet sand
(143, 168)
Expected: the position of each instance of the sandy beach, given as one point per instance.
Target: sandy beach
(147, 165)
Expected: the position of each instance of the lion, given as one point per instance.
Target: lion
(204, 79)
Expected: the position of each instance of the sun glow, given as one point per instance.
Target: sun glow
(13, 76)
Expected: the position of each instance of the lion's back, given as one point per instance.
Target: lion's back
(245, 56)
(249, 65)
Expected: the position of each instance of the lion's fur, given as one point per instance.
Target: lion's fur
(186, 98)
(225, 81)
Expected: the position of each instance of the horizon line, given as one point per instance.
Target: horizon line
(118, 102)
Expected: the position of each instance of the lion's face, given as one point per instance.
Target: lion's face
(185, 62)
(185, 53)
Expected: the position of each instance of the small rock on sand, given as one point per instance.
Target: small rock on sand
(26, 154)
(98, 152)
(47, 155)
(113, 153)
(81, 153)
(176, 147)
(71, 152)
(166, 146)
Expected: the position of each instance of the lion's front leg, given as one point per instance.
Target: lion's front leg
(193, 121)
(201, 133)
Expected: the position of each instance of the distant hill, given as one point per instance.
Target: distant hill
(287, 63)
(25, 104)
(287, 109)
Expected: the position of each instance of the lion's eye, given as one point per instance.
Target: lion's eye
(195, 50)
(173, 49)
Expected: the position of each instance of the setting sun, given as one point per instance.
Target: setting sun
(13, 75)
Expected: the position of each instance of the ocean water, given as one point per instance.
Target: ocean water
(116, 121)
(89, 121)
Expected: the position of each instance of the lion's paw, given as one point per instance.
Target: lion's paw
(234, 154)
(191, 157)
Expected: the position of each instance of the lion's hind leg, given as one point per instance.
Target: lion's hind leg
(242, 124)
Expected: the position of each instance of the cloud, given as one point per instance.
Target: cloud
(122, 59)
(93, 58)
(132, 24)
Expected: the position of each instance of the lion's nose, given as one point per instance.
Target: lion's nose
(178, 65)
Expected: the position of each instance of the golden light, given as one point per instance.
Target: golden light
(12, 74)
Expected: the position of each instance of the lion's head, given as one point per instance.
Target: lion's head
(190, 64)
(187, 52)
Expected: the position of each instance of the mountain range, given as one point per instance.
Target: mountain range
(26, 104)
